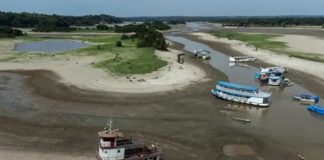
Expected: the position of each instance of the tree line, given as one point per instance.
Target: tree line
(43, 22)
(240, 20)
(146, 33)
(7, 32)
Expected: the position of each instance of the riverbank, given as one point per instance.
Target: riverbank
(313, 68)
(66, 119)
(96, 69)
(78, 72)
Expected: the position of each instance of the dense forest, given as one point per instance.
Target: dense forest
(241, 21)
(146, 33)
(7, 32)
(42, 22)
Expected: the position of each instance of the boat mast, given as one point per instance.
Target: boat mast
(109, 125)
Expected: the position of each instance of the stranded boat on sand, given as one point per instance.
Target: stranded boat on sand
(242, 94)
(114, 145)
(241, 59)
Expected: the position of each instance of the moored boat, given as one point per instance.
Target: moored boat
(115, 145)
(306, 98)
(316, 109)
(241, 59)
(276, 79)
(201, 53)
(241, 94)
(241, 119)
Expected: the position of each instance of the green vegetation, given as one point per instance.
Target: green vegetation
(128, 59)
(243, 21)
(102, 27)
(262, 41)
(147, 34)
(7, 32)
(32, 19)
(119, 44)
(265, 41)
(174, 22)
(46, 23)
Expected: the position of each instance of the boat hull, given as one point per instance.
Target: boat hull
(316, 109)
(233, 99)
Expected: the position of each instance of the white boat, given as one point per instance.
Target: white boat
(241, 119)
(115, 145)
(276, 79)
(273, 69)
(307, 99)
(241, 59)
(242, 94)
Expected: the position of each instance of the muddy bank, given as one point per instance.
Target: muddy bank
(61, 119)
(308, 81)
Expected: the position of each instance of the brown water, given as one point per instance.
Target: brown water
(285, 120)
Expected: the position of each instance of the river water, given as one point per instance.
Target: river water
(286, 120)
(50, 46)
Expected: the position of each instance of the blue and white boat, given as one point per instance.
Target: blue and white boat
(316, 109)
(242, 94)
(276, 78)
(307, 98)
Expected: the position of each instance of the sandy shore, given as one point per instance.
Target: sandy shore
(77, 71)
(18, 155)
(311, 67)
(307, 44)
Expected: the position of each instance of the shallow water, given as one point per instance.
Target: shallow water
(286, 120)
(50, 46)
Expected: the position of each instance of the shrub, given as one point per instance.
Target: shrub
(124, 36)
(119, 44)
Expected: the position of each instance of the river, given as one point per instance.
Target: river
(285, 120)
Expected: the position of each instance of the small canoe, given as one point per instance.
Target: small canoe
(316, 109)
(241, 119)
(299, 156)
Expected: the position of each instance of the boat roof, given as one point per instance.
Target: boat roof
(238, 86)
(113, 134)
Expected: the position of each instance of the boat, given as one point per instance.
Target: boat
(276, 78)
(316, 109)
(115, 145)
(299, 156)
(241, 119)
(241, 59)
(271, 75)
(273, 69)
(306, 98)
(241, 94)
(201, 53)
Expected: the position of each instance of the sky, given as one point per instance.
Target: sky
(131, 8)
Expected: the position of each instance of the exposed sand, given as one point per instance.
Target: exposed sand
(300, 43)
(238, 150)
(311, 67)
(7, 45)
(19, 155)
(78, 71)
